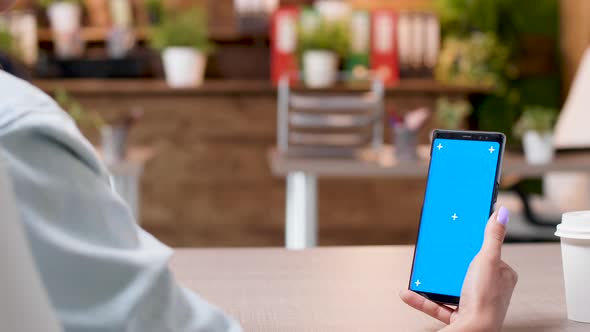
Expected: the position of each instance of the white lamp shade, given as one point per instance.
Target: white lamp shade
(573, 126)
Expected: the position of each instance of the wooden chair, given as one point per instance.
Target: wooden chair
(329, 122)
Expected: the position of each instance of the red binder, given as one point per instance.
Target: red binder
(283, 38)
(384, 59)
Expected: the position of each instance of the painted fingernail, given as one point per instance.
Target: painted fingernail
(503, 216)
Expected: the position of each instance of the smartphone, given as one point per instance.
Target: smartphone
(460, 194)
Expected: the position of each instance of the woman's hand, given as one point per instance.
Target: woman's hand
(487, 289)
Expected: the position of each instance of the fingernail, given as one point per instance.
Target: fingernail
(503, 216)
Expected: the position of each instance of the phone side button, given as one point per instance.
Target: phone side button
(496, 186)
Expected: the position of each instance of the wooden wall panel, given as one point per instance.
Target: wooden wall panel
(210, 185)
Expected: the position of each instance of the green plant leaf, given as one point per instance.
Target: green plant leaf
(47, 3)
(6, 40)
(452, 114)
(536, 118)
(182, 28)
(81, 116)
(316, 33)
(476, 59)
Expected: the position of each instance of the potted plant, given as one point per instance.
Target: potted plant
(6, 40)
(155, 11)
(87, 120)
(476, 59)
(113, 136)
(452, 114)
(535, 127)
(183, 38)
(65, 18)
(321, 45)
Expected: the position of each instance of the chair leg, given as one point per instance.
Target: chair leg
(529, 214)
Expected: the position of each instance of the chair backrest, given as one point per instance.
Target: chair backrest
(24, 305)
(329, 123)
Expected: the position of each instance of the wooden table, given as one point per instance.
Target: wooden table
(384, 164)
(355, 288)
(302, 175)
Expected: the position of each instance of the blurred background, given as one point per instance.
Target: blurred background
(191, 101)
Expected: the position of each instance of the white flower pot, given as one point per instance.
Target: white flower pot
(64, 18)
(184, 66)
(320, 68)
(538, 148)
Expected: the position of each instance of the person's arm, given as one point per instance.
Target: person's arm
(487, 289)
(23, 295)
(101, 271)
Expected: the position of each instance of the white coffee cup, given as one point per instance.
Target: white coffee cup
(574, 232)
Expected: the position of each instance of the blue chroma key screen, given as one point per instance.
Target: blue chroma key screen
(455, 211)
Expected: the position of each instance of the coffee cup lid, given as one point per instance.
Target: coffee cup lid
(575, 225)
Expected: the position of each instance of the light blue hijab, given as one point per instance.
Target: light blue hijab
(102, 272)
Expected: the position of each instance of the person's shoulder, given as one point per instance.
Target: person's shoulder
(13, 86)
(26, 110)
(23, 107)
(20, 101)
